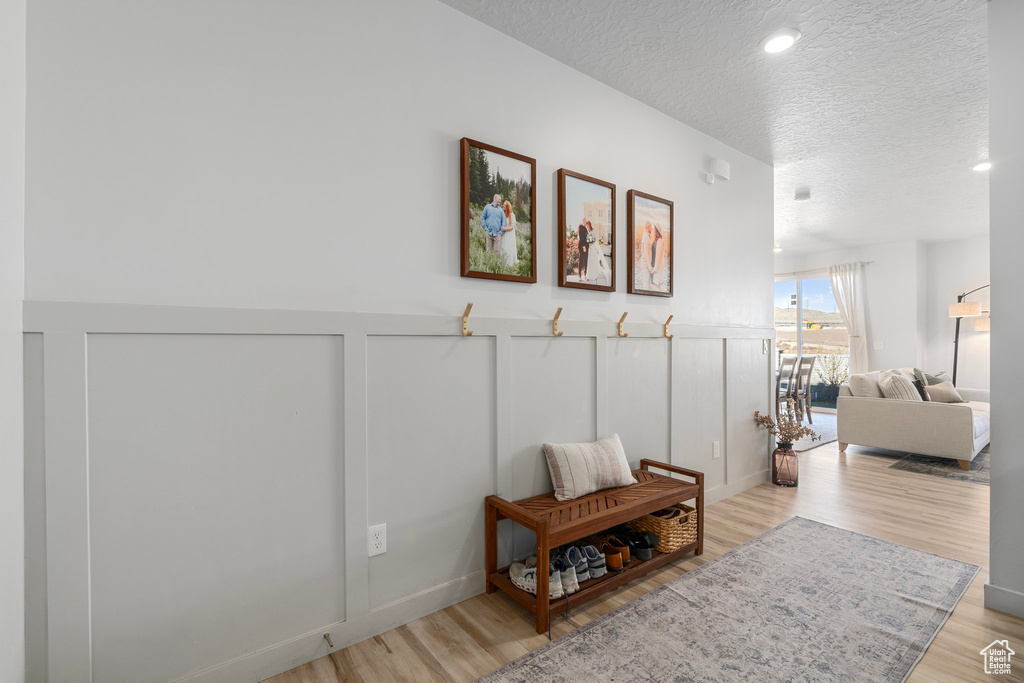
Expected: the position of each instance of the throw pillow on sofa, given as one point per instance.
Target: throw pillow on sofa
(927, 380)
(581, 468)
(865, 385)
(895, 385)
(944, 392)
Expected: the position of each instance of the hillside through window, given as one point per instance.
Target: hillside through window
(807, 322)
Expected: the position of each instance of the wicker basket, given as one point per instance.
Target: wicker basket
(672, 534)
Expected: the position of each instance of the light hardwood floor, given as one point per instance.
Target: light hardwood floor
(855, 491)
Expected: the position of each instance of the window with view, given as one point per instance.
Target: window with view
(807, 322)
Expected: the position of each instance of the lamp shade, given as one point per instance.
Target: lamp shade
(965, 309)
(983, 324)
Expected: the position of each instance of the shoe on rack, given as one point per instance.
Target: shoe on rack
(595, 562)
(621, 546)
(642, 544)
(525, 578)
(579, 562)
(567, 572)
(612, 557)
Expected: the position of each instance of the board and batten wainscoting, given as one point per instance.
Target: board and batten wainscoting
(205, 477)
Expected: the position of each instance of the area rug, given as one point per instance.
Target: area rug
(803, 602)
(944, 467)
(824, 426)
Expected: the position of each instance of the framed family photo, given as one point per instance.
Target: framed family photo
(586, 232)
(649, 223)
(499, 213)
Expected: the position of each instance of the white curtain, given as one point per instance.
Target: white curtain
(848, 288)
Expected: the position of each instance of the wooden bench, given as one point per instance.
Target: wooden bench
(557, 523)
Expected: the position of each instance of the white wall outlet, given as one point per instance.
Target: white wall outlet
(879, 345)
(378, 538)
(716, 450)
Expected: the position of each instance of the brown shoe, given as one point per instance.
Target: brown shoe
(612, 558)
(620, 547)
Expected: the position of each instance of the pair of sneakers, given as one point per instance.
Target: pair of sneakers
(577, 565)
(524, 576)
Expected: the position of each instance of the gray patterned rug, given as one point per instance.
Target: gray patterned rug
(803, 602)
(944, 467)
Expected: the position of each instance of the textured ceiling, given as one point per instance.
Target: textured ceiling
(880, 109)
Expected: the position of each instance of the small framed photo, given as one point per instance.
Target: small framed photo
(499, 213)
(586, 232)
(649, 222)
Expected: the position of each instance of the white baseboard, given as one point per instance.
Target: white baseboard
(736, 487)
(1004, 600)
(270, 661)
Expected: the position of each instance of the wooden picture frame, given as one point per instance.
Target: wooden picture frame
(482, 253)
(579, 268)
(643, 209)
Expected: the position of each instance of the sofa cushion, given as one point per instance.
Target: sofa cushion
(865, 385)
(896, 385)
(928, 380)
(921, 390)
(982, 420)
(979, 406)
(944, 392)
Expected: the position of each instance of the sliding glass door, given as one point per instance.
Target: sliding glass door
(807, 322)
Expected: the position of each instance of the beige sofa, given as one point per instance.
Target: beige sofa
(945, 430)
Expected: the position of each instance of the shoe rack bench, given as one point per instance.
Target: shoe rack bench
(557, 523)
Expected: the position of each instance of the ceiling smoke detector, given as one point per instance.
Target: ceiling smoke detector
(802, 195)
(780, 41)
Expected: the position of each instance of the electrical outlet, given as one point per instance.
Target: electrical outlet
(716, 450)
(879, 345)
(378, 538)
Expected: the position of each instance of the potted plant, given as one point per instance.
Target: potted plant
(787, 430)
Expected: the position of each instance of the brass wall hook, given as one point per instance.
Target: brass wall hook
(667, 335)
(622, 320)
(557, 332)
(466, 332)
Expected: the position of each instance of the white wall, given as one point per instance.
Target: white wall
(891, 283)
(954, 268)
(1005, 588)
(12, 288)
(304, 156)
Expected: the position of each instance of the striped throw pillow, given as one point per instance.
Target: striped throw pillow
(897, 386)
(581, 468)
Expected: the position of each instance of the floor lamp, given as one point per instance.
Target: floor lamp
(962, 309)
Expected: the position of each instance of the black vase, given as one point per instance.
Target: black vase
(785, 469)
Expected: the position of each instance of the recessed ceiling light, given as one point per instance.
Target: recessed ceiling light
(983, 166)
(780, 40)
(777, 249)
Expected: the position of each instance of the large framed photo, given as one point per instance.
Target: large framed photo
(586, 232)
(499, 213)
(649, 222)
